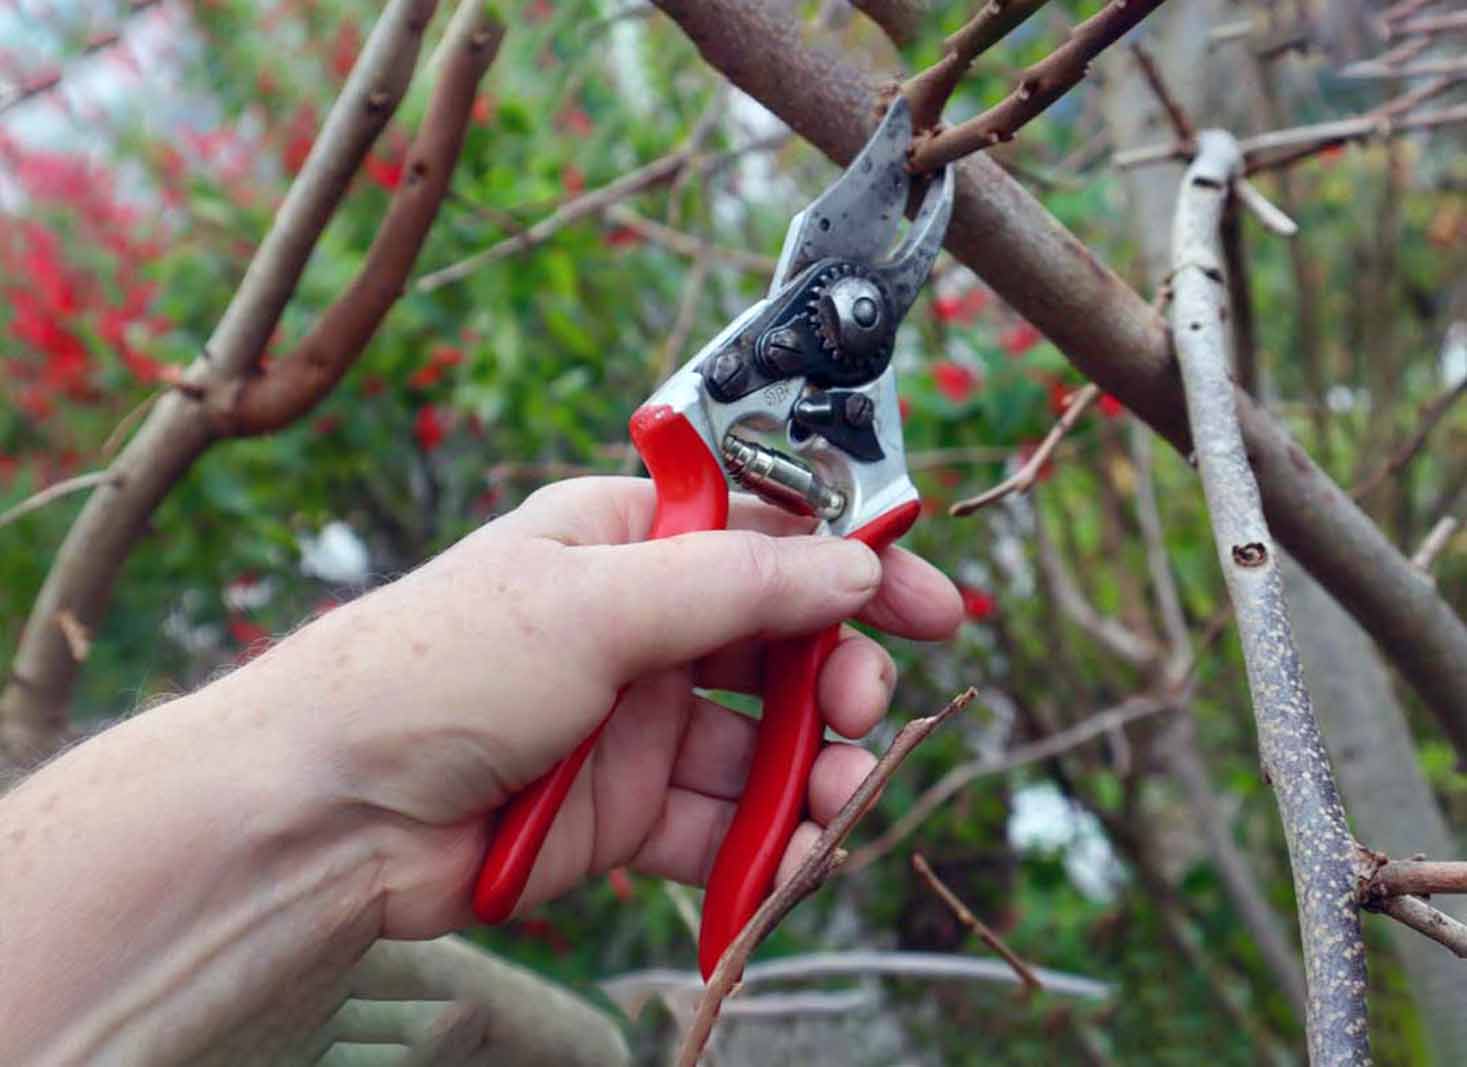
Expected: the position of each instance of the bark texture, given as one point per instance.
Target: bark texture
(1322, 851)
(1389, 800)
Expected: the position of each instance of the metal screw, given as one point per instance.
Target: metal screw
(865, 312)
(726, 372)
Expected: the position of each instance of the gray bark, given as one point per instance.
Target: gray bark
(1389, 801)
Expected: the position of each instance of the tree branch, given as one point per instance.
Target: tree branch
(901, 20)
(1107, 331)
(1321, 850)
(1423, 918)
(292, 387)
(824, 857)
(177, 429)
(1022, 480)
(40, 499)
(928, 91)
(960, 911)
(965, 774)
(1039, 86)
(1436, 540)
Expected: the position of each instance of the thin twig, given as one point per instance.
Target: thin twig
(1431, 414)
(685, 244)
(964, 774)
(28, 90)
(1422, 917)
(1269, 215)
(960, 911)
(1022, 480)
(1438, 539)
(1455, 23)
(1111, 634)
(661, 169)
(1038, 86)
(1418, 877)
(824, 857)
(1258, 151)
(1321, 848)
(1426, 68)
(1182, 128)
(53, 492)
(928, 91)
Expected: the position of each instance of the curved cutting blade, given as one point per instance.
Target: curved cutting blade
(859, 215)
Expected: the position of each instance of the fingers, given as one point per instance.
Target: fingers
(856, 685)
(616, 511)
(916, 600)
(683, 844)
(661, 603)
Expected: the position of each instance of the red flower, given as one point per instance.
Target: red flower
(328, 424)
(430, 373)
(386, 173)
(622, 237)
(429, 428)
(300, 134)
(345, 47)
(483, 109)
(963, 309)
(1061, 396)
(1019, 338)
(373, 385)
(1109, 406)
(252, 638)
(954, 381)
(977, 604)
(574, 120)
(904, 406)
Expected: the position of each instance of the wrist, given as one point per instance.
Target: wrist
(194, 845)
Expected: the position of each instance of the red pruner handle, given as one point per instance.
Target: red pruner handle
(691, 495)
(779, 779)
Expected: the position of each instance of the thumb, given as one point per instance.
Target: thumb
(658, 604)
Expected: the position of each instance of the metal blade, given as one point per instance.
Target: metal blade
(858, 216)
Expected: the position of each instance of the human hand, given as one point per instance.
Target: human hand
(449, 690)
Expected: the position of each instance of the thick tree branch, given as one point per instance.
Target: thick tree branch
(1039, 86)
(178, 429)
(1321, 849)
(1109, 333)
(823, 859)
(291, 387)
(901, 20)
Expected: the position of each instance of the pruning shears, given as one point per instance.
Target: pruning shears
(809, 365)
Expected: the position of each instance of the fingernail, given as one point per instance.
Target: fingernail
(856, 567)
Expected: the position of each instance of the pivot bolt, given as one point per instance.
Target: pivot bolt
(726, 372)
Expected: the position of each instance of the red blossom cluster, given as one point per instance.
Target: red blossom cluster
(55, 308)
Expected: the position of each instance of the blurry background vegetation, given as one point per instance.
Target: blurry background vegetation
(135, 188)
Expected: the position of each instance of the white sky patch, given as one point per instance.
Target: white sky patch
(1453, 360)
(1044, 820)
